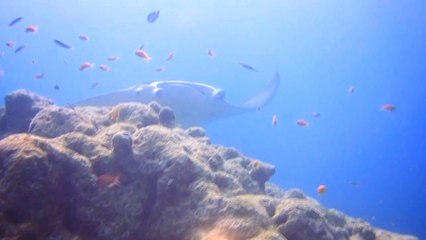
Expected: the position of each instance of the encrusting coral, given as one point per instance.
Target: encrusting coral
(128, 172)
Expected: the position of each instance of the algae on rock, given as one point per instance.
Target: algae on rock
(129, 172)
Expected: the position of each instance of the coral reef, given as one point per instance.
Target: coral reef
(127, 172)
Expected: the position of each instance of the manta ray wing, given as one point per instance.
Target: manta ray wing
(265, 96)
(111, 99)
(193, 103)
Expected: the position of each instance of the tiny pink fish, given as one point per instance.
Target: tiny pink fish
(11, 44)
(315, 114)
(170, 56)
(302, 123)
(351, 90)
(274, 120)
(104, 67)
(39, 75)
(1, 72)
(211, 53)
(84, 37)
(388, 107)
(143, 54)
(113, 58)
(31, 28)
(86, 65)
(160, 69)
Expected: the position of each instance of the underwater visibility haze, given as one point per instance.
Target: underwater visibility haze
(349, 113)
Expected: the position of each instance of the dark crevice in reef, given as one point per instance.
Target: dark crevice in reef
(151, 200)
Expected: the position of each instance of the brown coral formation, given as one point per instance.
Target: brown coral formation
(173, 183)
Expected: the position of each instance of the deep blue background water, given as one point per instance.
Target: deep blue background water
(372, 161)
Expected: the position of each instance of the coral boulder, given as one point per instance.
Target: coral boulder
(128, 172)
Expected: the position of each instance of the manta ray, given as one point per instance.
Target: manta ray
(193, 103)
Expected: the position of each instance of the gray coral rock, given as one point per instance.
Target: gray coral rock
(122, 143)
(196, 132)
(274, 191)
(122, 173)
(42, 183)
(2, 121)
(302, 219)
(166, 116)
(20, 107)
(261, 173)
(294, 193)
(137, 114)
(55, 121)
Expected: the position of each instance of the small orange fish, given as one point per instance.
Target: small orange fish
(84, 37)
(388, 107)
(108, 180)
(302, 123)
(274, 120)
(113, 58)
(31, 28)
(351, 90)
(211, 53)
(86, 65)
(321, 189)
(104, 67)
(143, 54)
(170, 56)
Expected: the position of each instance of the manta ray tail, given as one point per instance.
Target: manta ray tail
(262, 98)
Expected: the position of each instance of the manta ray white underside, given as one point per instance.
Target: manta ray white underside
(193, 103)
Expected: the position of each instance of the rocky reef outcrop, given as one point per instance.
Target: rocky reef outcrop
(127, 172)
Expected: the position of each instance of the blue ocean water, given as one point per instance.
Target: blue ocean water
(373, 162)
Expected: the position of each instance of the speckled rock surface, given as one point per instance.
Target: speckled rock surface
(20, 107)
(125, 172)
(54, 121)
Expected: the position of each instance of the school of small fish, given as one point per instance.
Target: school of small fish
(111, 180)
(151, 18)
